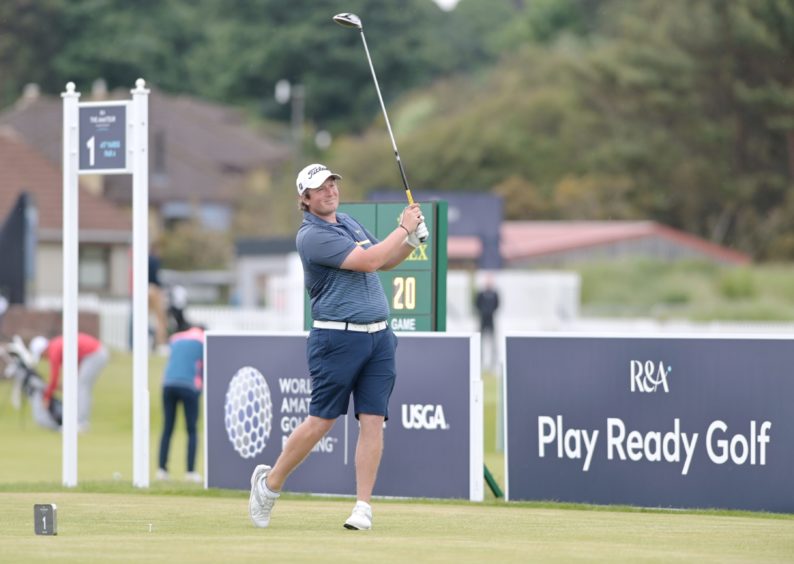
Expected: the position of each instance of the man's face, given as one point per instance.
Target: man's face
(324, 200)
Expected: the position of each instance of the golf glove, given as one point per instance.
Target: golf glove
(421, 232)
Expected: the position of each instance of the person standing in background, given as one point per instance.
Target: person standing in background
(182, 383)
(92, 356)
(157, 298)
(487, 302)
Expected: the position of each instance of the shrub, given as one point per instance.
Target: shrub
(737, 284)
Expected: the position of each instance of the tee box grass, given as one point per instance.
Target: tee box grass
(105, 519)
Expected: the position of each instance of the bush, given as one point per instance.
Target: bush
(737, 285)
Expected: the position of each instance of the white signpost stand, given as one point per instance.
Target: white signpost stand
(106, 138)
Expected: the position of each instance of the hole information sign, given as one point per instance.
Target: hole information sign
(103, 138)
(416, 289)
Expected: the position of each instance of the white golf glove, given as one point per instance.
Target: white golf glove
(412, 240)
(421, 233)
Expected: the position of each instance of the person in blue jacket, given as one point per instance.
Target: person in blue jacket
(182, 383)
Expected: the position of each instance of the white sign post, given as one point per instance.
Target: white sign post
(140, 285)
(95, 141)
(70, 238)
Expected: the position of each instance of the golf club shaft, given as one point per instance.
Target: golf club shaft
(386, 117)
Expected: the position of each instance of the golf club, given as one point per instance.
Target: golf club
(353, 21)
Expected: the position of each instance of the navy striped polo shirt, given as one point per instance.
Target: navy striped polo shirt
(336, 294)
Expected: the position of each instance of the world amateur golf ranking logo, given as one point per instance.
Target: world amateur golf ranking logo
(248, 412)
(649, 376)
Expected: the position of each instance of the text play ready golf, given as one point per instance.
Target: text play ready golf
(722, 445)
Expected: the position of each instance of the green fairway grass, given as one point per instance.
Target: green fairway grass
(94, 527)
(105, 519)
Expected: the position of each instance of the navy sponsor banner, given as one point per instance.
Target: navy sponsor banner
(651, 421)
(258, 391)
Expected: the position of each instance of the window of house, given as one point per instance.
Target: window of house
(94, 268)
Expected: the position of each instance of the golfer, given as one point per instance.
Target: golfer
(92, 356)
(350, 348)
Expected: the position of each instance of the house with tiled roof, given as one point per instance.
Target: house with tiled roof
(201, 154)
(532, 244)
(105, 230)
(480, 238)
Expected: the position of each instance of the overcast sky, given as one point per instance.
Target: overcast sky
(446, 4)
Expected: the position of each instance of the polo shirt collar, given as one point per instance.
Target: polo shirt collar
(311, 218)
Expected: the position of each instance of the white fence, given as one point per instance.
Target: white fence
(530, 301)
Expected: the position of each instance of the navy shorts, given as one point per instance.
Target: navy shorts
(341, 362)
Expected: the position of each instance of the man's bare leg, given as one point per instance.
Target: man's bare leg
(298, 446)
(368, 454)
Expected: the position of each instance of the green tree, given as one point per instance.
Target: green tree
(675, 111)
(232, 51)
(190, 247)
(30, 37)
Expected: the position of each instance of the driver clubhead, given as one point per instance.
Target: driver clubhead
(347, 19)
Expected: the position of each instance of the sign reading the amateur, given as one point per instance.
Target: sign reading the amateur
(673, 422)
(44, 519)
(103, 138)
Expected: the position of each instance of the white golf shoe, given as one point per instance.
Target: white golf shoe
(361, 518)
(261, 501)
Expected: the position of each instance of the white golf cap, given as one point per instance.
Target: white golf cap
(313, 176)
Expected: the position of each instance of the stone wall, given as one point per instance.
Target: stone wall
(27, 323)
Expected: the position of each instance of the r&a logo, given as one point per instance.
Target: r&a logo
(647, 376)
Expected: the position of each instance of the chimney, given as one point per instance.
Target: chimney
(99, 89)
(30, 93)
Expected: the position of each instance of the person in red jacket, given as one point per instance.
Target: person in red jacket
(92, 356)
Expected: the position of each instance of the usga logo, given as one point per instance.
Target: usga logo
(423, 416)
(647, 376)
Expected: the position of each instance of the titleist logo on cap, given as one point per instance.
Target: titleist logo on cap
(312, 176)
(315, 170)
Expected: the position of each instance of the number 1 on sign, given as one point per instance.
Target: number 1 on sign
(91, 152)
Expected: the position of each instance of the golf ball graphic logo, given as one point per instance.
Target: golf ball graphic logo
(249, 412)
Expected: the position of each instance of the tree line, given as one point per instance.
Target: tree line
(677, 111)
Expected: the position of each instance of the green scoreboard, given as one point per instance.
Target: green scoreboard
(417, 288)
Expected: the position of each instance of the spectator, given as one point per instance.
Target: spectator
(487, 302)
(156, 298)
(92, 356)
(182, 383)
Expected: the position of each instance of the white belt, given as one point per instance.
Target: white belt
(345, 326)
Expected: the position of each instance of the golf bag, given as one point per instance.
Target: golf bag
(29, 385)
(177, 302)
